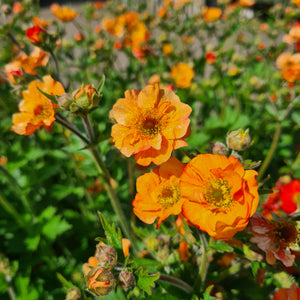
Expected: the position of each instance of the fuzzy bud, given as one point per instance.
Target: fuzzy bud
(73, 294)
(100, 281)
(106, 255)
(126, 279)
(64, 101)
(218, 148)
(238, 139)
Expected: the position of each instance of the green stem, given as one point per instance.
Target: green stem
(13, 212)
(271, 152)
(55, 63)
(16, 188)
(204, 260)
(108, 184)
(176, 282)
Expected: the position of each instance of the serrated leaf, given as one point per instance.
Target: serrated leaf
(146, 281)
(221, 247)
(113, 234)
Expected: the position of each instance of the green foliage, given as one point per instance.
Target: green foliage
(146, 281)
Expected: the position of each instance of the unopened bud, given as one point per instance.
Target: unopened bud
(238, 139)
(106, 255)
(100, 281)
(126, 279)
(218, 148)
(86, 97)
(64, 101)
(73, 294)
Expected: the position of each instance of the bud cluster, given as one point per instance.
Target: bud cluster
(101, 269)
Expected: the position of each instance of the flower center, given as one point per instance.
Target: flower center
(150, 125)
(217, 193)
(168, 196)
(38, 109)
(286, 232)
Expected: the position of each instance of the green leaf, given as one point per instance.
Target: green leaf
(255, 265)
(206, 295)
(55, 227)
(101, 85)
(221, 247)
(145, 281)
(50, 97)
(32, 242)
(65, 283)
(113, 234)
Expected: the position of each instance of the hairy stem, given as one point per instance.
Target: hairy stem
(108, 183)
(176, 282)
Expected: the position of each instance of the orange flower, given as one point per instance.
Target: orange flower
(212, 14)
(293, 36)
(296, 2)
(167, 49)
(246, 3)
(150, 124)
(40, 22)
(114, 26)
(35, 34)
(63, 13)
(275, 237)
(290, 66)
(17, 7)
(210, 57)
(29, 64)
(292, 293)
(158, 194)
(220, 195)
(182, 74)
(36, 110)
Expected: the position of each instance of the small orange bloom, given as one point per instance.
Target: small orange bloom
(98, 4)
(3, 160)
(158, 194)
(36, 110)
(35, 34)
(40, 22)
(17, 7)
(182, 74)
(275, 237)
(246, 3)
(212, 14)
(150, 124)
(63, 13)
(167, 49)
(292, 293)
(220, 195)
(210, 57)
(291, 74)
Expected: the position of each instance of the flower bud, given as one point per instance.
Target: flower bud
(126, 279)
(218, 148)
(86, 97)
(64, 101)
(106, 255)
(238, 139)
(73, 294)
(100, 281)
